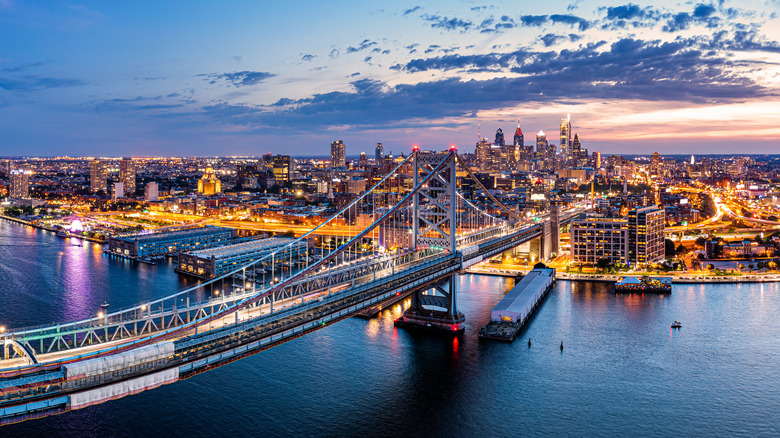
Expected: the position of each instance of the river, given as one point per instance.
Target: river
(622, 371)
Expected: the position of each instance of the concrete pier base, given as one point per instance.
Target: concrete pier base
(432, 321)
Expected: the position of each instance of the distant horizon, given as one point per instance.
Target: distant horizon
(149, 79)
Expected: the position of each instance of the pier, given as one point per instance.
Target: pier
(511, 314)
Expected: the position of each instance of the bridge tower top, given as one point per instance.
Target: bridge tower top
(435, 205)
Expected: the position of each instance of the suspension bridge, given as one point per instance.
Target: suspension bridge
(388, 242)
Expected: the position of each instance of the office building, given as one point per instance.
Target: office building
(127, 175)
(566, 138)
(378, 154)
(98, 176)
(19, 184)
(575, 151)
(246, 176)
(281, 168)
(338, 157)
(541, 143)
(363, 161)
(152, 192)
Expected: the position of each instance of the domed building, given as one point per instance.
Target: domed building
(209, 184)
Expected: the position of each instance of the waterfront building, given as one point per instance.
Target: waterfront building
(151, 194)
(598, 238)
(338, 156)
(378, 154)
(646, 235)
(209, 184)
(127, 175)
(98, 176)
(281, 168)
(213, 262)
(19, 184)
(152, 245)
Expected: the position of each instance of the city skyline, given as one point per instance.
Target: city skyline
(90, 79)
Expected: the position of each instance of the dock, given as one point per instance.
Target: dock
(517, 308)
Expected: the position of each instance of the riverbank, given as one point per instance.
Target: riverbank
(612, 278)
(66, 233)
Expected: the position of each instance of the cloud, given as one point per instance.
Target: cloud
(308, 57)
(365, 44)
(32, 83)
(239, 78)
(411, 10)
(446, 23)
(551, 39)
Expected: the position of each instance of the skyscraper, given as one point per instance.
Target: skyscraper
(566, 137)
(20, 184)
(282, 166)
(127, 175)
(338, 157)
(541, 142)
(499, 138)
(483, 154)
(655, 163)
(575, 151)
(363, 161)
(98, 176)
(519, 140)
(378, 154)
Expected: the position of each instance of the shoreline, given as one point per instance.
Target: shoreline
(53, 230)
(611, 278)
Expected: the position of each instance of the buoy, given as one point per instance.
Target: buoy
(561, 345)
(529, 342)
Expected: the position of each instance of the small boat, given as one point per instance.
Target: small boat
(676, 324)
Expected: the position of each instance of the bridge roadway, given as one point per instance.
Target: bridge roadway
(37, 391)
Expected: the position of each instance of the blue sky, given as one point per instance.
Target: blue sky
(244, 78)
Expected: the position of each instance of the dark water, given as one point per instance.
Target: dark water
(623, 371)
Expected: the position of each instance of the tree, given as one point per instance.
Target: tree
(681, 249)
(669, 248)
(603, 264)
(700, 241)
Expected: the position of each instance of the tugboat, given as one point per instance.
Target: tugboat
(676, 324)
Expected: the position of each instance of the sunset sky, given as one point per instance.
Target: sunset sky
(244, 78)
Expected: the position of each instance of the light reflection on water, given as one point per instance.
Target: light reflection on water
(623, 371)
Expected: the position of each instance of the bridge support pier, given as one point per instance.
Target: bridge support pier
(435, 310)
(551, 236)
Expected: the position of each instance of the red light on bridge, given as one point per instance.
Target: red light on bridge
(415, 147)
(398, 294)
(453, 147)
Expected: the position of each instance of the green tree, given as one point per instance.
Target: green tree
(669, 248)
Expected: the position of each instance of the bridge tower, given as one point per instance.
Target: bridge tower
(551, 235)
(435, 226)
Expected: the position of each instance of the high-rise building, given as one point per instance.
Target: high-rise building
(152, 192)
(655, 163)
(127, 175)
(20, 184)
(483, 154)
(282, 166)
(209, 184)
(566, 137)
(598, 238)
(378, 154)
(338, 157)
(519, 140)
(575, 150)
(363, 160)
(499, 137)
(98, 176)
(646, 235)
(246, 176)
(119, 190)
(541, 142)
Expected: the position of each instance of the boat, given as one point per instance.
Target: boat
(676, 324)
(644, 284)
